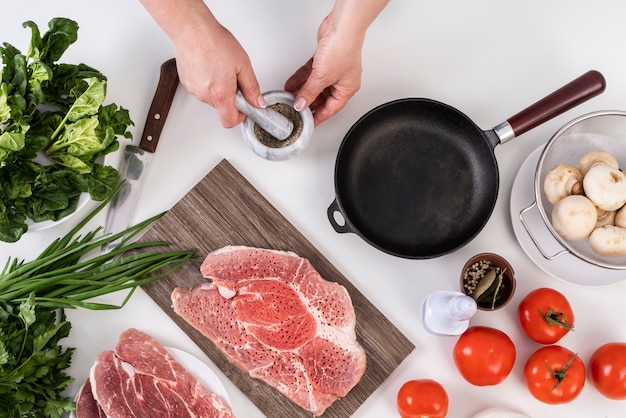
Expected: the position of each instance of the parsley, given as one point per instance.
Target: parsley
(32, 362)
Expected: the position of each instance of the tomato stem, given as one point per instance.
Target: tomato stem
(556, 318)
(560, 374)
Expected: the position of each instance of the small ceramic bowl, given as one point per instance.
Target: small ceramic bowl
(277, 150)
(483, 261)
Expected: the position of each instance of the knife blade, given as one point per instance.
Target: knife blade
(137, 159)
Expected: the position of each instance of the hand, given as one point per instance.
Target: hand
(327, 81)
(212, 65)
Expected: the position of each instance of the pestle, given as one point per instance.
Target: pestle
(448, 313)
(267, 118)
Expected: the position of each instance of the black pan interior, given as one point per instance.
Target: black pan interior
(416, 178)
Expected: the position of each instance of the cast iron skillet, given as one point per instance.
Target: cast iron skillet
(418, 179)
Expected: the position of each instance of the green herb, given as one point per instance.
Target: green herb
(52, 112)
(484, 284)
(32, 362)
(60, 277)
(488, 286)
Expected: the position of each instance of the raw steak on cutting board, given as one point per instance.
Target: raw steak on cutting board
(142, 379)
(274, 316)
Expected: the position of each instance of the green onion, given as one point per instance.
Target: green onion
(63, 277)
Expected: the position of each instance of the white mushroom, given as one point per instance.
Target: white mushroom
(605, 186)
(563, 180)
(595, 157)
(605, 217)
(574, 217)
(620, 217)
(608, 241)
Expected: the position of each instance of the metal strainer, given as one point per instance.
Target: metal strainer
(602, 130)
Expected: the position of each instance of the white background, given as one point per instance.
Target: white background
(488, 58)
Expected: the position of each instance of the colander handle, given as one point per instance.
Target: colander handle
(534, 239)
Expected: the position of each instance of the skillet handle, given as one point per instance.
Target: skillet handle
(567, 97)
(331, 211)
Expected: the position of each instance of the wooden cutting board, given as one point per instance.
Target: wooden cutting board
(224, 209)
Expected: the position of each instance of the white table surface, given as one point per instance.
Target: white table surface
(488, 58)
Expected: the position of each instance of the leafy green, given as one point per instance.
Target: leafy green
(53, 112)
(32, 360)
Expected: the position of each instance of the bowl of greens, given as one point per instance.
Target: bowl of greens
(56, 111)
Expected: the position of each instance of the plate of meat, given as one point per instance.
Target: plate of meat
(143, 378)
(202, 372)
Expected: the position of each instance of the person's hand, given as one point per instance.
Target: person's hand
(327, 81)
(212, 65)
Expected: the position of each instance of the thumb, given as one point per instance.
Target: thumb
(249, 86)
(309, 91)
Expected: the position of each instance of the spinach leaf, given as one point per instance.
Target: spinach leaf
(54, 130)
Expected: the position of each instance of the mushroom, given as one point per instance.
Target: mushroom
(574, 217)
(620, 217)
(605, 217)
(608, 241)
(596, 157)
(605, 186)
(563, 180)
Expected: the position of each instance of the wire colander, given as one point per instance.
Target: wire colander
(602, 130)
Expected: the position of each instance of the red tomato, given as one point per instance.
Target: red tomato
(545, 315)
(554, 375)
(422, 398)
(484, 356)
(607, 370)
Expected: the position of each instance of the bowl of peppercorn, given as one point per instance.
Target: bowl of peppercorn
(489, 279)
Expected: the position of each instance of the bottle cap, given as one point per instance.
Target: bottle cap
(447, 312)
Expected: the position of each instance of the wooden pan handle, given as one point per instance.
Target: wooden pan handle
(567, 97)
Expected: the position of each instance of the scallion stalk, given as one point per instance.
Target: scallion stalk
(64, 276)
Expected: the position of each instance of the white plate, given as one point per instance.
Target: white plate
(200, 370)
(566, 267)
(40, 226)
(82, 200)
(499, 412)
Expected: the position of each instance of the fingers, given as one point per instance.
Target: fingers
(298, 78)
(324, 86)
(309, 91)
(229, 116)
(214, 68)
(222, 97)
(249, 86)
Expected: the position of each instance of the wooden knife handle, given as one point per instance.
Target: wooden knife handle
(160, 107)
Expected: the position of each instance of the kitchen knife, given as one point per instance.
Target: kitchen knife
(137, 158)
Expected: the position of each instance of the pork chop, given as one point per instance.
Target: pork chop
(142, 379)
(273, 315)
(86, 405)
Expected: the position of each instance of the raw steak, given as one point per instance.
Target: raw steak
(141, 379)
(86, 405)
(274, 316)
